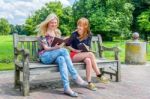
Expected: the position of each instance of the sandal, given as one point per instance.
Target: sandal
(74, 94)
(103, 79)
(92, 87)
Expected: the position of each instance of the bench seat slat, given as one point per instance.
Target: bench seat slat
(40, 65)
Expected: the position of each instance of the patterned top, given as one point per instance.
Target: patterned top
(44, 40)
(74, 40)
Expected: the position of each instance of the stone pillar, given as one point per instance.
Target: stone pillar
(135, 52)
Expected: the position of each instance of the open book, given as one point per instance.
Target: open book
(59, 41)
(83, 47)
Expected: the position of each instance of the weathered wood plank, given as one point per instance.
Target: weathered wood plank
(26, 73)
(27, 38)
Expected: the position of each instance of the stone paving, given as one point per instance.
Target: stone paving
(135, 84)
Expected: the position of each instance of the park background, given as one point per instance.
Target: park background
(114, 20)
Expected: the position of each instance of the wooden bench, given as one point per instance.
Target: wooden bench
(26, 59)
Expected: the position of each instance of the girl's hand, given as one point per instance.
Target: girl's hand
(57, 46)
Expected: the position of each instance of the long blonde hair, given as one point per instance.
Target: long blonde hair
(42, 27)
(85, 23)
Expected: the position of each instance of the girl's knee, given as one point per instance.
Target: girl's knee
(60, 59)
(64, 51)
(91, 54)
(87, 60)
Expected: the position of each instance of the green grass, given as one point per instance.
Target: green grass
(6, 66)
(148, 51)
(6, 48)
(6, 51)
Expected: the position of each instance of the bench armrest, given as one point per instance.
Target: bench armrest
(115, 49)
(24, 53)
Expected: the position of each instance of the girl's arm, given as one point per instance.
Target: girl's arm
(45, 43)
(45, 46)
(68, 44)
(50, 48)
(72, 49)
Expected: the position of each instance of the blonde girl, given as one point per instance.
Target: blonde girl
(47, 30)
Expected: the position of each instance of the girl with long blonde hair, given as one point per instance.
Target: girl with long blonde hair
(47, 30)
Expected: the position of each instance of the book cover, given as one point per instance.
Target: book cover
(59, 41)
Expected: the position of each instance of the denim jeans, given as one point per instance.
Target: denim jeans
(62, 58)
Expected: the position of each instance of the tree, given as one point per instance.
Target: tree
(64, 14)
(40, 15)
(143, 21)
(4, 27)
(66, 21)
(107, 17)
(30, 26)
(13, 29)
(20, 29)
(140, 6)
(140, 17)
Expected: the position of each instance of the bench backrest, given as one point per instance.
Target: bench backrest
(30, 43)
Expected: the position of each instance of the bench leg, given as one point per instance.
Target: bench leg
(25, 88)
(118, 73)
(101, 70)
(25, 83)
(17, 78)
(111, 77)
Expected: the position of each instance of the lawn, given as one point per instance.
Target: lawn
(6, 48)
(6, 51)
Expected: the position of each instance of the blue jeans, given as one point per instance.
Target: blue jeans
(62, 58)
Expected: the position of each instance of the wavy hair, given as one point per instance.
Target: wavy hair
(42, 27)
(85, 23)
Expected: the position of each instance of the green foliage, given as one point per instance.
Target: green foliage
(142, 8)
(107, 17)
(20, 29)
(64, 14)
(40, 15)
(30, 26)
(13, 29)
(144, 21)
(66, 21)
(110, 18)
(4, 27)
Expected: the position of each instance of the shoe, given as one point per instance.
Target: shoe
(74, 94)
(80, 81)
(103, 79)
(91, 86)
